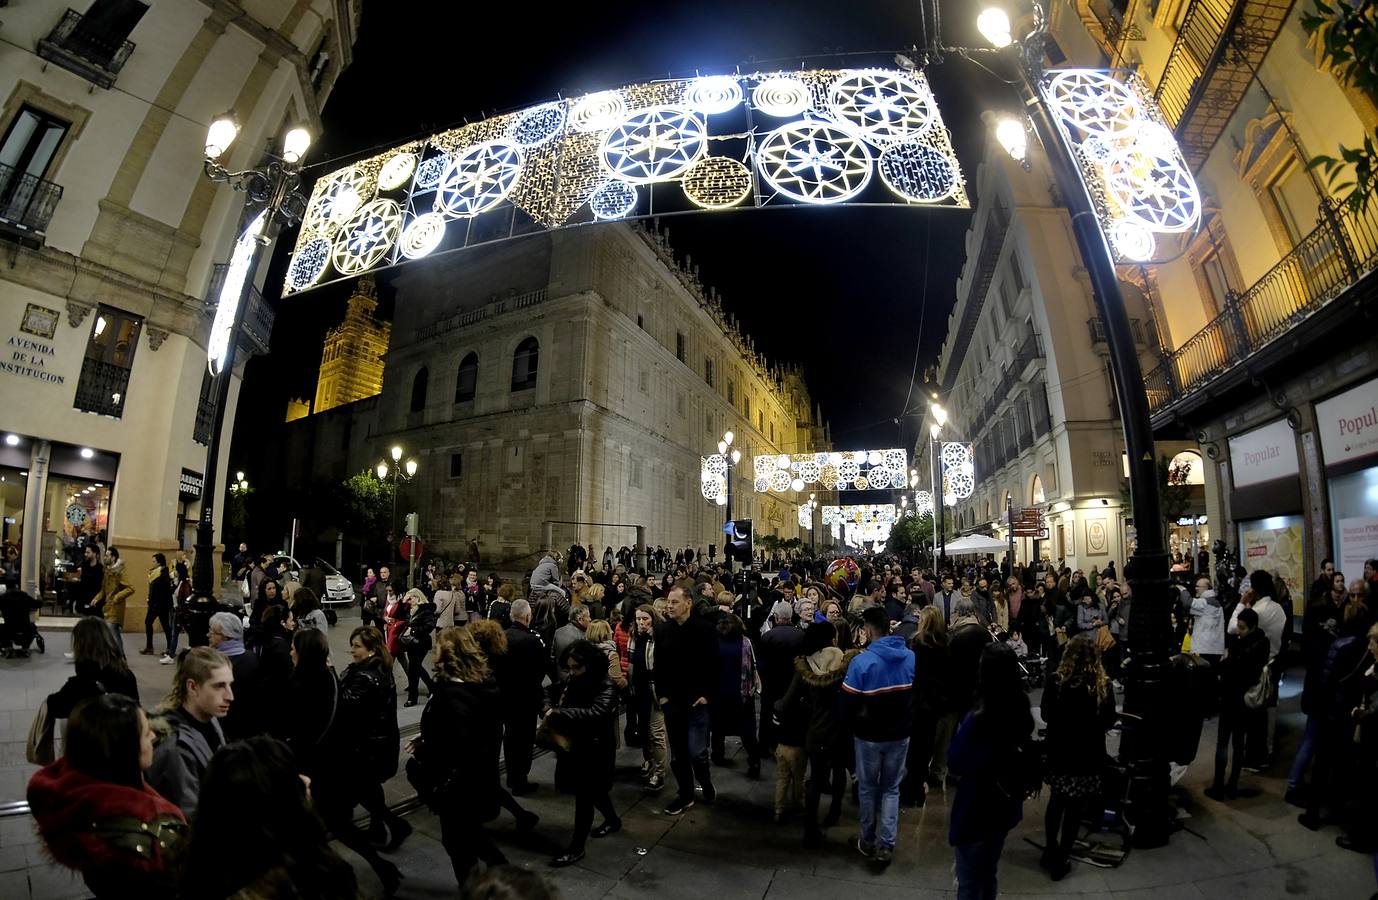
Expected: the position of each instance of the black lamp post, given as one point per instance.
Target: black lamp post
(731, 456)
(400, 472)
(272, 202)
(1145, 706)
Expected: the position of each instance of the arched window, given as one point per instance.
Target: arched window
(1036, 491)
(418, 389)
(1186, 468)
(524, 362)
(467, 381)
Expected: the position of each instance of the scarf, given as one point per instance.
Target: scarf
(231, 647)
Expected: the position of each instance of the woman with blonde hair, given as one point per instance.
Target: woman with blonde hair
(455, 757)
(492, 642)
(415, 641)
(593, 598)
(1078, 706)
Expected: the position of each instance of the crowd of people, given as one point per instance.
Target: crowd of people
(884, 689)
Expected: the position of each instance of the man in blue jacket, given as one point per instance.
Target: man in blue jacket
(877, 694)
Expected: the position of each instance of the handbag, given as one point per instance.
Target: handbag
(1264, 693)
(40, 746)
(550, 738)
(430, 788)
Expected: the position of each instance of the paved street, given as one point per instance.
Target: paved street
(732, 850)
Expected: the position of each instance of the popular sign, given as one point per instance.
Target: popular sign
(1348, 424)
(1264, 454)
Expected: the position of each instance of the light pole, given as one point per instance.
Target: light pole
(1143, 747)
(939, 499)
(397, 469)
(730, 459)
(272, 202)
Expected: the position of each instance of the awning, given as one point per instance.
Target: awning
(975, 543)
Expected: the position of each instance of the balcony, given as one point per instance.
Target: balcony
(86, 47)
(26, 204)
(1096, 327)
(205, 421)
(102, 387)
(1342, 249)
(258, 316)
(1115, 23)
(1218, 50)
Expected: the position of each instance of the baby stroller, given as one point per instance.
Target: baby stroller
(1033, 669)
(18, 630)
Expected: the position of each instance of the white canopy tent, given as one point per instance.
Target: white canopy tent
(975, 543)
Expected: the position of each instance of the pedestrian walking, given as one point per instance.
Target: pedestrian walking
(415, 640)
(641, 658)
(733, 708)
(369, 731)
(685, 667)
(1240, 672)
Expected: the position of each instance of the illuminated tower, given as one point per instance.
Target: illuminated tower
(352, 359)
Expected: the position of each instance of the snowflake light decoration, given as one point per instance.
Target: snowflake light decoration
(779, 480)
(958, 469)
(654, 145)
(539, 125)
(1132, 240)
(364, 239)
(954, 454)
(613, 200)
(918, 173)
(598, 112)
(429, 171)
(1094, 102)
(815, 162)
(923, 502)
(713, 94)
(1156, 189)
(396, 171)
(478, 179)
(851, 470)
(335, 198)
(883, 105)
(308, 263)
(782, 97)
(806, 517)
(716, 182)
(422, 235)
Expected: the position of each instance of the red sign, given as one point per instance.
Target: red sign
(405, 547)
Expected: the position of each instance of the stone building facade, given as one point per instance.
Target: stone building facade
(352, 358)
(566, 385)
(111, 237)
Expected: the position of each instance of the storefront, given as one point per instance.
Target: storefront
(1266, 504)
(1348, 426)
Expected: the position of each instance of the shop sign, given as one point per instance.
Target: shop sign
(1358, 542)
(1264, 454)
(1348, 424)
(190, 484)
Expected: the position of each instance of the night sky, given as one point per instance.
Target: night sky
(840, 291)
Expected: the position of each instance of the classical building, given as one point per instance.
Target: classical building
(112, 235)
(1268, 353)
(352, 358)
(564, 387)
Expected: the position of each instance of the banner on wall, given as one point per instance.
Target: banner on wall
(1358, 542)
(1279, 551)
(1264, 454)
(1348, 424)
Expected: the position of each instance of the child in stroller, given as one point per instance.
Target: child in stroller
(17, 630)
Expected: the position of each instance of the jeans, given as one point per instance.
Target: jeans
(977, 867)
(879, 767)
(416, 671)
(942, 737)
(1305, 750)
(686, 728)
(164, 618)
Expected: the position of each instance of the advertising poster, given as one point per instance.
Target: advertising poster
(1097, 540)
(1279, 551)
(1358, 542)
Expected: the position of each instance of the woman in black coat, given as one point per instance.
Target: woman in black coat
(416, 642)
(1240, 670)
(584, 710)
(931, 702)
(368, 719)
(274, 648)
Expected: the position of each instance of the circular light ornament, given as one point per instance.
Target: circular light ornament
(809, 471)
(1155, 189)
(895, 459)
(923, 500)
(762, 485)
(713, 94)
(884, 106)
(1156, 138)
(1094, 102)
(478, 179)
(1132, 240)
(779, 480)
(782, 461)
(364, 239)
(782, 97)
(954, 453)
(879, 478)
(712, 488)
(716, 182)
(653, 145)
(308, 263)
(797, 484)
(874, 458)
(858, 457)
(715, 464)
(598, 112)
(861, 483)
(835, 459)
(337, 197)
(848, 471)
(962, 484)
(613, 200)
(815, 162)
(917, 173)
(396, 171)
(422, 235)
(430, 170)
(539, 124)
(827, 474)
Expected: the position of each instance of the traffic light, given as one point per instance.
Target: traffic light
(739, 546)
(411, 526)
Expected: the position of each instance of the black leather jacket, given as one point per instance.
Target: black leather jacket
(368, 712)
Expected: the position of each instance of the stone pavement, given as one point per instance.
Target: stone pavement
(1253, 847)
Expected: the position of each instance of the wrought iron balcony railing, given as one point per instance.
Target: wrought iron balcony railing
(86, 47)
(1342, 248)
(26, 203)
(258, 317)
(1219, 47)
(102, 388)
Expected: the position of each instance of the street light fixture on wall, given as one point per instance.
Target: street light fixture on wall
(272, 201)
(397, 469)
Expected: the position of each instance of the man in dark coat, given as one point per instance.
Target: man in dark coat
(686, 667)
(777, 649)
(520, 672)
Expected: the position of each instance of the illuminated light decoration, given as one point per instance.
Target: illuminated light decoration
(918, 173)
(780, 480)
(713, 94)
(335, 198)
(923, 502)
(815, 162)
(715, 464)
(422, 235)
(1157, 189)
(896, 460)
(231, 294)
(538, 125)
(835, 459)
(848, 471)
(308, 263)
(1155, 138)
(478, 179)
(1132, 240)
(428, 173)
(954, 453)
(716, 182)
(860, 457)
(396, 171)
(797, 484)
(783, 461)
(958, 471)
(782, 97)
(1093, 101)
(883, 105)
(806, 516)
(962, 485)
(653, 145)
(1097, 150)
(762, 484)
(613, 200)
(598, 112)
(878, 478)
(854, 469)
(713, 478)
(809, 471)
(364, 239)
(862, 483)
(874, 458)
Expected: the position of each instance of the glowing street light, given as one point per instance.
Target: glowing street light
(994, 25)
(1011, 134)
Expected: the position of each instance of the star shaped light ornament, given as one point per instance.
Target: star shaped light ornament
(479, 179)
(815, 162)
(883, 105)
(654, 145)
(364, 239)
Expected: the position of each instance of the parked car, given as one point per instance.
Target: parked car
(339, 591)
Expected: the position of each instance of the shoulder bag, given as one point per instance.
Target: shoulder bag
(1264, 693)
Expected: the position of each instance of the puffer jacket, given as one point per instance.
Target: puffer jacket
(817, 687)
(587, 715)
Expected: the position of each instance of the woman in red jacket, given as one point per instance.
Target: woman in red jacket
(94, 811)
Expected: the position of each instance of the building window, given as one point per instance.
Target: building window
(732, 393)
(679, 346)
(644, 381)
(772, 432)
(109, 359)
(467, 381)
(760, 421)
(640, 322)
(524, 364)
(419, 383)
(456, 465)
(1294, 196)
(708, 371)
(26, 155)
(634, 479)
(708, 422)
(680, 485)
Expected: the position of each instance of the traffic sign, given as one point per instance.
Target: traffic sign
(405, 547)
